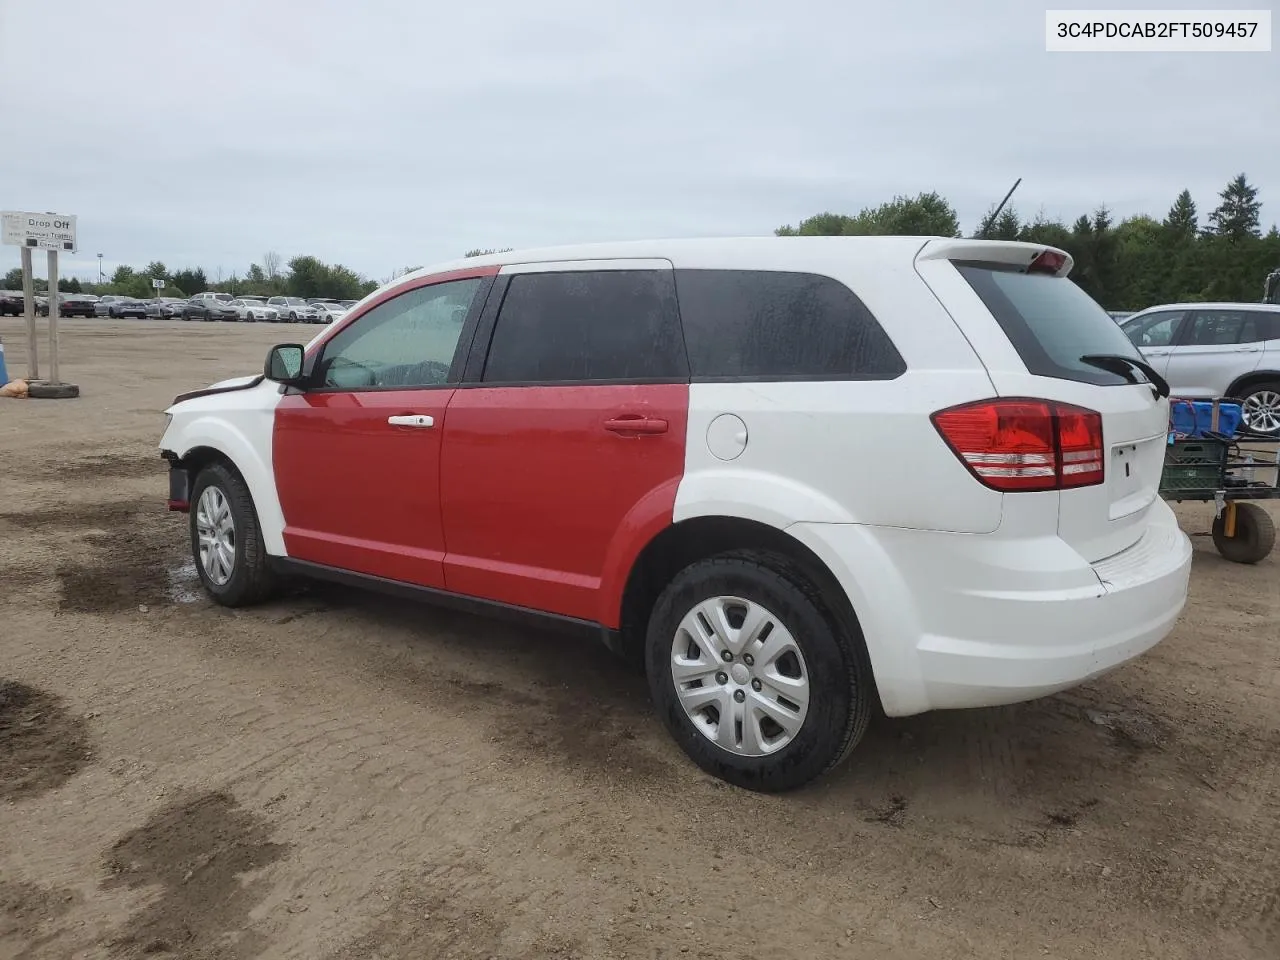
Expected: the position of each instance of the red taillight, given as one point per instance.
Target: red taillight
(1026, 444)
(1050, 261)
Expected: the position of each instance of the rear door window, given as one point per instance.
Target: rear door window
(587, 327)
(774, 325)
(1050, 322)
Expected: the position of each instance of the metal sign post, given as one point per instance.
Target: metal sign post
(53, 317)
(29, 313)
(41, 231)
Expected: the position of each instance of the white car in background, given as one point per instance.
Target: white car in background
(330, 310)
(252, 311)
(294, 310)
(1208, 350)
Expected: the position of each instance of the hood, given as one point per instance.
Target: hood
(233, 382)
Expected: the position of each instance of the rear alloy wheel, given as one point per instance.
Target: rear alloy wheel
(752, 676)
(226, 540)
(1261, 409)
(1255, 534)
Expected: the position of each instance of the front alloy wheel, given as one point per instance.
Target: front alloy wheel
(216, 530)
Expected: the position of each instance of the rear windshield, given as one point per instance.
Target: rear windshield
(1050, 321)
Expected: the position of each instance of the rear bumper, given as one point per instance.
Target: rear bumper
(962, 620)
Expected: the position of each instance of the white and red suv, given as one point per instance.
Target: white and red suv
(791, 476)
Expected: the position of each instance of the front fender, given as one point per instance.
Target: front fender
(244, 438)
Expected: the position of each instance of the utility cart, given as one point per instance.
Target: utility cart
(1211, 456)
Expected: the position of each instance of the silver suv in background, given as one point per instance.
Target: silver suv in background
(1210, 350)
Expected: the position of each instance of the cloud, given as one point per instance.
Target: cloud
(381, 133)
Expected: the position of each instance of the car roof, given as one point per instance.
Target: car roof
(701, 248)
(1218, 305)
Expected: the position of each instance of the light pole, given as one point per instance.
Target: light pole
(99, 269)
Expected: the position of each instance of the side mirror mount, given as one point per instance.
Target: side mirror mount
(284, 364)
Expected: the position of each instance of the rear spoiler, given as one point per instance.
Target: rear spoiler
(1015, 253)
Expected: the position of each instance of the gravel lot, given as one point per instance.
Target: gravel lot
(338, 775)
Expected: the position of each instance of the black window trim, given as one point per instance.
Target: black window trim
(478, 358)
(460, 350)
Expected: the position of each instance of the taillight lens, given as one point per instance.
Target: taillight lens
(1021, 445)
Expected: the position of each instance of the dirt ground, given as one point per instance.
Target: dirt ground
(338, 775)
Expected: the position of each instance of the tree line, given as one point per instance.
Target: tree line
(1130, 265)
(302, 276)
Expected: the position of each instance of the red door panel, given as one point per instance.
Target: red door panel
(537, 482)
(358, 492)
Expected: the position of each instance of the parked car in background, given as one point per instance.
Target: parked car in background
(1118, 315)
(217, 306)
(294, 309)
(73, 305)
(347, 303)
(12, 303)
(330, 311)
(251, 311)
(194, 309)
(1208, 350)
(120, 307)
(104, 303)
(805, 479)
(166, 308)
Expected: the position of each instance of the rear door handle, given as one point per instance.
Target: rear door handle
(638, 425)
(418, 420)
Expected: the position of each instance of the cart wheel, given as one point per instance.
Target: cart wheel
(1255, 534)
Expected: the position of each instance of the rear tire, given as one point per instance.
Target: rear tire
(250, 579)
(831, 674)
(1255, 535)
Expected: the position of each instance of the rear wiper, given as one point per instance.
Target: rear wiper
(1124, 366)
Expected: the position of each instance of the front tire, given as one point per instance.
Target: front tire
(755, 679)
(226, 539)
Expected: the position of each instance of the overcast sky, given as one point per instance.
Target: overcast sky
(390, 133)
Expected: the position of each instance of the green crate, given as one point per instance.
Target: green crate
(1196, 451)
(1181, 477)
(1194, 466)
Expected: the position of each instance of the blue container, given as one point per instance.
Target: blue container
(4, 374)
(1194, 418)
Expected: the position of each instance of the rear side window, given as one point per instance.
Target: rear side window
(1216, 328)
(1051, 322)
(571, 327)
(771, 325)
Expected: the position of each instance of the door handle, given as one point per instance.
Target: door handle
(418, 420)
(639, 425)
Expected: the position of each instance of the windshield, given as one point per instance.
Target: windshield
(1051, 322)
